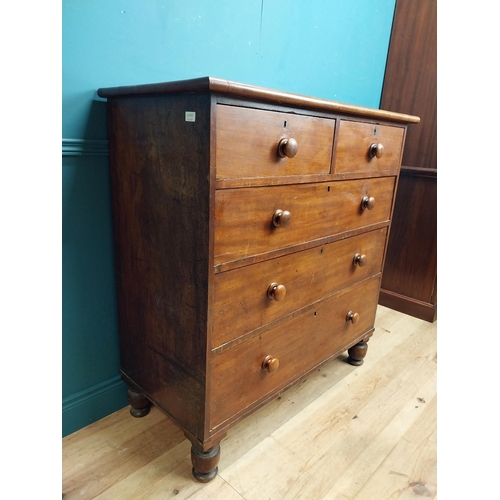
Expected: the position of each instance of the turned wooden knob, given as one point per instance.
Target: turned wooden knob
(270, 364)
(276, 292)
(359, 260)
(376, 150)
(282, 218)
(352, 317)
(288, 147)
(367, 202)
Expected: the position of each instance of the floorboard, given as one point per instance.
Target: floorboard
(343, 433)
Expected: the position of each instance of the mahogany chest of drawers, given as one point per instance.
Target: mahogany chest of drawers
(250, 232)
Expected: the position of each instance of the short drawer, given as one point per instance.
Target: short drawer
(248, 143)
(239, 381)
(255, 295)
(364, 148)
(248, 221)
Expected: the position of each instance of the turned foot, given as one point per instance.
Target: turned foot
(205, 463)
(357, 353)
(139, 404)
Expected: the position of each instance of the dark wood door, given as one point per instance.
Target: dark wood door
(410, 272)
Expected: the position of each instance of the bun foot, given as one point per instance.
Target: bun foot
(205, 464)
(139, 404)
(357, 353)
(204, 478)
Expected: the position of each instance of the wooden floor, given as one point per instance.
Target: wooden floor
(345, 432)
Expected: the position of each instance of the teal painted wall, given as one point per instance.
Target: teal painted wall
(333, 49)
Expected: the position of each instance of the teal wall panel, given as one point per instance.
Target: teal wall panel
(333, 49)
(90, 363)
(88, 281)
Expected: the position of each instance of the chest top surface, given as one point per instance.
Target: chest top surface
(235, 89)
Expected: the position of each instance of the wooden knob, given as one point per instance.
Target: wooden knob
(352, 317)
(359, 260)
(276, 292)
(282, 218)
(288, 147)
(367, 202)
(270, 364)
(376, 150)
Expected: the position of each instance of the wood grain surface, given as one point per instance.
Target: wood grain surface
(241, 304)
(247, 143)
(353, 144)
(243, 217)
(238, 382)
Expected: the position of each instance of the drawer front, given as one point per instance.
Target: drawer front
(354, 153)
(247, 143)
(244, 224)
(238, 379)
(244, 299)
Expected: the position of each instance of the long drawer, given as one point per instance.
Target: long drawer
(239, 379)
(253, 143)
(248, 220)
(252, 296)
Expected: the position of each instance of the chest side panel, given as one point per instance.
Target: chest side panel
(160, 166)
